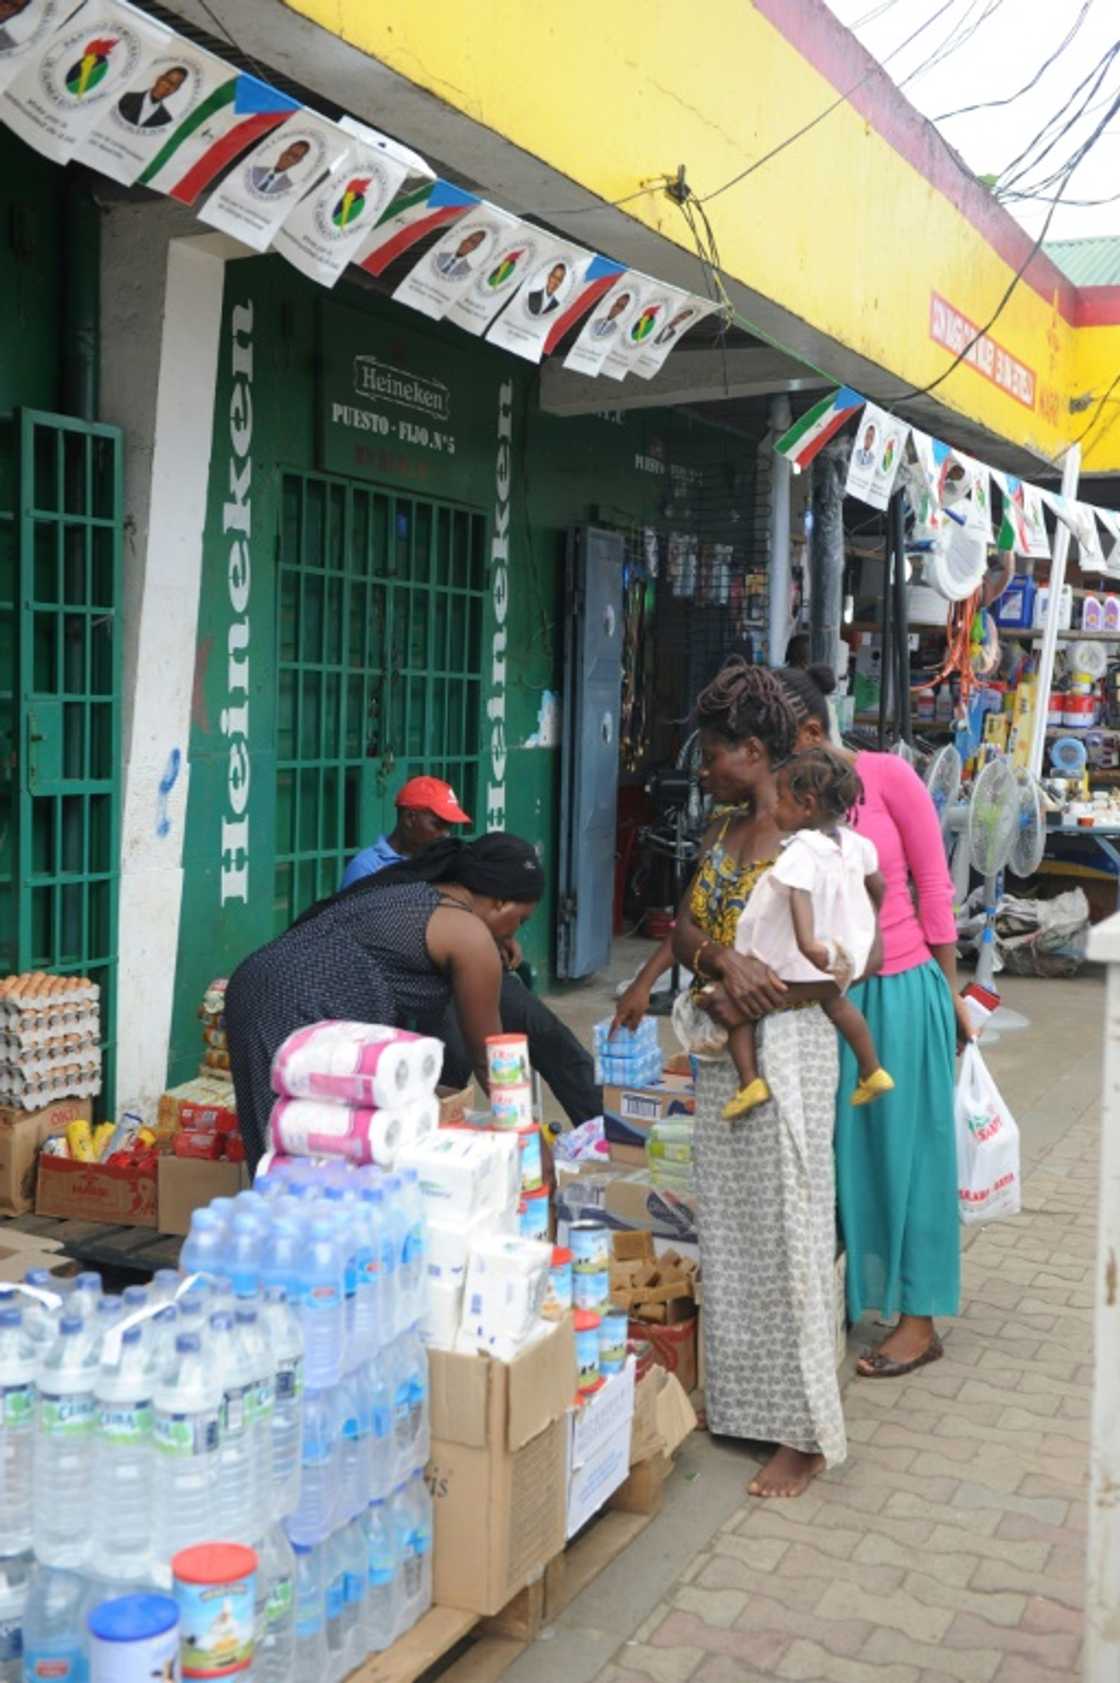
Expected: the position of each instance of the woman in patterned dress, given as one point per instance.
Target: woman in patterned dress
(766, 1189)
(393, 948)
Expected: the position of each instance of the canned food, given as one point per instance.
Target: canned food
(79, 1138)
(592, 1291)
(588, 1377)
(532, 1163)
(558, 1296)
(588, 1241)
(134, 1638)
(533, 1214)
(215, 1587)
(512, 1107)
(102, 1134)
(613, 1327)
(507, 1059)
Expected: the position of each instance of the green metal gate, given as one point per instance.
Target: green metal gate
(381, 600)
(60, 566)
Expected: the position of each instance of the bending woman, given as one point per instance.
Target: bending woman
(896, 1171)
(394, 948)
(767, 1206)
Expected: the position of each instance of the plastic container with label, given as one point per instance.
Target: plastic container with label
(588, 1373)
(133, 1639)
(215, 1587)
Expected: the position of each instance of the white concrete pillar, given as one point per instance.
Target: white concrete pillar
(781, 479)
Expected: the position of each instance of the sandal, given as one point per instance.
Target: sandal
(879, 1366)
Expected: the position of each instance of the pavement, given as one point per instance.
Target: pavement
(950, 1547)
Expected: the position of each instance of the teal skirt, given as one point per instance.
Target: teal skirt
(896, 1159)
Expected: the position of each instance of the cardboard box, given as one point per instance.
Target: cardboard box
(205, 1104)
(599, 1447)
(187, 1183)
(634, 1201)
(22, 1132)
(498, 1468)
(630, 1112)
(674, 1347)
(21, 1252)
(117, 1195)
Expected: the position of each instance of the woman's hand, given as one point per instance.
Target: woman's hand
(631, 1008)
(750, 986)
(715, 1002)
(966, 1026)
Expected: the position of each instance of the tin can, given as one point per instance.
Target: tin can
(79, 1137)
(533, 1214)
(532, 1164)
(613, 1326)
(507, 1059)
(588, 1241)
(512, 1107)
(587, 1352)
(102, 1134)
(215, 1586)
(558, 1296)
(592, 1291)
(134, 1638)
(55, 1145)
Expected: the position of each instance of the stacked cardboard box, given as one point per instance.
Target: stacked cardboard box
(50, 1040)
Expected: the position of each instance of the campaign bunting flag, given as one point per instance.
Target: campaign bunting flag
(420, 208)
(555, 293)
(322, 232)
(650, 310)
(880, 444)
(605, 326)
(23, 29)
(812, 431)
(1110, 520)
(684, 312)
(497, 280)
(251, 202)
(467, 252)
(236, 115)
(1023, 527)
(66, 84)
(1082, 524)
(411, 162)
(136, 124)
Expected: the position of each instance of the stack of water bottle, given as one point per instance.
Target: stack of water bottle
(628, 1057)
(274, 1394)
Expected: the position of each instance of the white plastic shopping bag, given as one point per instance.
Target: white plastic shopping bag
(988, 1175)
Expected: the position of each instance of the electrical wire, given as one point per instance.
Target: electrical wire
(1019, 165)
(875, 69)
(958, 37)
(1009, 99)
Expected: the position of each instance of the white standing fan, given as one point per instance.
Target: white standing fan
(943, 780)
(1006, 830)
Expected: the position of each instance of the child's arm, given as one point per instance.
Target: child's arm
(876, 886)
(801, 916)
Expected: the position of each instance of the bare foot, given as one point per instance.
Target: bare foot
(910, 1339)
(789, 1472)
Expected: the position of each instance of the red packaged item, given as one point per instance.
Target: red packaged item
(235, 1148)
(207, 1118)
(190, 1142)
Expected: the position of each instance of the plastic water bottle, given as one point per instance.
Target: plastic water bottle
(15, 1576)
(322, 1307)
(382, 1577)
(285, 1342)
(282, 1259)
(237, 1490)
(55, 1639)
(64, 1446)
(414, 1362)
(335, 1597)
(412, 1519)
(356, 1574)
(122, 1483)
(203, 1247)
(40, 1316)
(164, 1332)
(242, 1254)
(408, 1591)
(373, 1308)
(312, 1521)
(135, 1298)
(414, 1253)
(377, 1378)
(262, 1364)
(85, 1293)
(274, 1658)
(311, 1613)
(17, 1432)
(165, 1283)
(186, 1432)
(395, 1228)
(420, 1503)
(354, 1470)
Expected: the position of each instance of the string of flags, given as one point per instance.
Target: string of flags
(950, 493)
(106, 85)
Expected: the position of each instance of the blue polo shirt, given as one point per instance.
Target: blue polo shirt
(370, 860)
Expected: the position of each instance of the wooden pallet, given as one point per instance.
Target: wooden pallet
(462, 1648)
(139, 1250)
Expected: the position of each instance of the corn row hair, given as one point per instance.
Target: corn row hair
(826, 777)
(744, 700)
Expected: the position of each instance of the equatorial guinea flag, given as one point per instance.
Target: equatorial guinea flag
(812, 431)
(417, 210)
(236, 115)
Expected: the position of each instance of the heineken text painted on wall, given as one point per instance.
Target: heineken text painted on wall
(499, 595)
(237, 524)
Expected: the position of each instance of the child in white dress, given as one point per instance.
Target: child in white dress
(812, 917)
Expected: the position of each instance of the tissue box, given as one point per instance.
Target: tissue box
(599, 1447)
(506, 1282)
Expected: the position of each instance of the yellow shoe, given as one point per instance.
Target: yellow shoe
(877, 1083)
(748, 1098)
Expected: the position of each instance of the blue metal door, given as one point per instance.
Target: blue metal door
(589, 750)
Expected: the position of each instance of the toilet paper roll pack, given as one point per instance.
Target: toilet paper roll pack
(310, 1128)
(366, 1064)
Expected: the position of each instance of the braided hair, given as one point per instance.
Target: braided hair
(827, 779)
(748, 701)
(808, 689)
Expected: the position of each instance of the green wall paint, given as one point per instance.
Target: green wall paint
(319, 366)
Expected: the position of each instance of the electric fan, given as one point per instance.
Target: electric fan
(943, 780)
(1089, 658)
(958, 555)
(1068, 757)
(993, 829)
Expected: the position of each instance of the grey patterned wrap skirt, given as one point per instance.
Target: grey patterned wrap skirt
(768, 1242)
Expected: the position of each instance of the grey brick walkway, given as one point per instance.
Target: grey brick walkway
(950, 1547)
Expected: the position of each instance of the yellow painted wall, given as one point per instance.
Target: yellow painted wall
(839, 229)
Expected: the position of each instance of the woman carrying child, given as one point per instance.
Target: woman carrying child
(766, 1188)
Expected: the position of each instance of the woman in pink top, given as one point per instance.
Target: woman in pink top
(896, 1164)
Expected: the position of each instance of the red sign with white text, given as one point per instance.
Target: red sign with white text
(948, 327)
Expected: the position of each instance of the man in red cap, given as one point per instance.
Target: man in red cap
(427, 810)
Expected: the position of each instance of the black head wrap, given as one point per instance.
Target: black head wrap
(499, 865)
